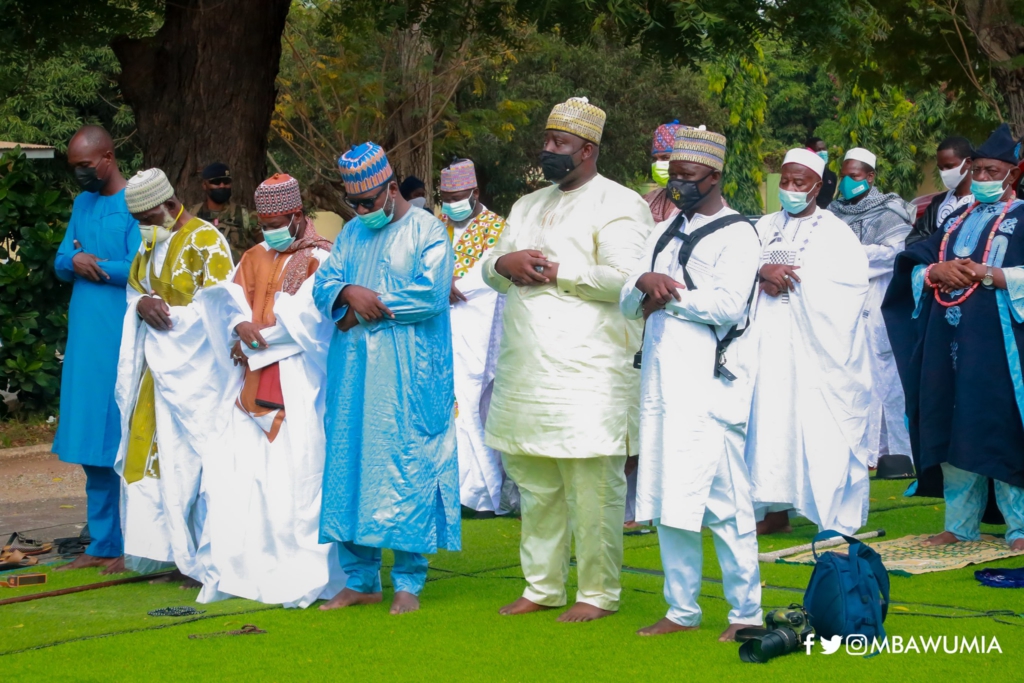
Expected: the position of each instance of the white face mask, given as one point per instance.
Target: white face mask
(952, 177)
(419, 202)
(151, 234)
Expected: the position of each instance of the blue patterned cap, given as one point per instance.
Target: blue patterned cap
(363, 168)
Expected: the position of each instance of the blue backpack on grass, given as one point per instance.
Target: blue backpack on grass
(849, 593)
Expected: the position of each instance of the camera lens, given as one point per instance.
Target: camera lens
(778, 642)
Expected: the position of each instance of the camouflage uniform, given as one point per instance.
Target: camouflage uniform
(236, 224)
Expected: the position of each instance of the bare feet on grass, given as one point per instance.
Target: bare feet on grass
(522, 606)
(350, 598)
(187, 582)
(404, 602)
(581, 612)
(115, 567)
(729, 634)
(662, 627)
(85, 560)
(945, 538)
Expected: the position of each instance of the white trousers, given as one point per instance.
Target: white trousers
(682, 557)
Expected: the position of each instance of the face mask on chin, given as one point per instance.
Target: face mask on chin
(375, 220)
(154, 234)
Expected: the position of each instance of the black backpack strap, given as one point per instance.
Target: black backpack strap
(666, 237)
(691, 240)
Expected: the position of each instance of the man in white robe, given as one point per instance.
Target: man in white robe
(693, 411)
(262, 529)
(170, 417)
(881, 222)
(476, 331)
(807, 443)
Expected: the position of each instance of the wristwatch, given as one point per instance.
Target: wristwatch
(987, 280)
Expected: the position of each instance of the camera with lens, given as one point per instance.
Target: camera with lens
(786, 631)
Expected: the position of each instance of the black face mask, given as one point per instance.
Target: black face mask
(686, 194)
(88, 180)
(219, 195)
(556, 166)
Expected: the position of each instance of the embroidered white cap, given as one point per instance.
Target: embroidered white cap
(805, 157)
(862, 155)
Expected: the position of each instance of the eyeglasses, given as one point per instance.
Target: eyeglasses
(365, 203)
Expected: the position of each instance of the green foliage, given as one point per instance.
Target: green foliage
(499, 117)
(33, 302)
(741, 82)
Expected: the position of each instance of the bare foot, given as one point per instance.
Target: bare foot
(945, 538)
(729, 634)
(631, 525)
(1018, 544)
(774, 523)
(522, 606)
(349, 598)
(188, 583)
(115, 567)
(176, 576)
(662, 627)
(404, 602)
(581, 612)
(84, 561)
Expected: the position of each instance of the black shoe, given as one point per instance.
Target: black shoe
(895, 467)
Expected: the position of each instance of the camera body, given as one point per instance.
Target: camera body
(786, 631)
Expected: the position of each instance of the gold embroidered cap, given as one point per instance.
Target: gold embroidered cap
(700, 146)
(578, 116)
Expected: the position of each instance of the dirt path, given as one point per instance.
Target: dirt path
(41, 497)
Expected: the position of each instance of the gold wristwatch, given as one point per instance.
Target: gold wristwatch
(987, 280)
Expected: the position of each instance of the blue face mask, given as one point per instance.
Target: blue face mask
(823, 154)
(458, 211)
(375, 220)
(279, 239)
(793, 202)
(989, 191)
(851, 189)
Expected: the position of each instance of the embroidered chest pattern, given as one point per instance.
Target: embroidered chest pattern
(479, 236)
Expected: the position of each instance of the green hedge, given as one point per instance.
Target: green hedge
(33, 302)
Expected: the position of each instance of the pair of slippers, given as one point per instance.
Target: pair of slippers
(21, 552)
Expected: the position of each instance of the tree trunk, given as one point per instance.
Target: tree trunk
(1001, 39)
(410, 135)
(202, 90)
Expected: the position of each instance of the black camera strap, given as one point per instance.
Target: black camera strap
(690, 241)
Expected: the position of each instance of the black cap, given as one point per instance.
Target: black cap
(410, 185)
(216, 170)
(1000, 146)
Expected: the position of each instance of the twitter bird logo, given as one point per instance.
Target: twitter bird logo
(830, 645)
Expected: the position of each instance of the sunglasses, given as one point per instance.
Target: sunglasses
(365, 203)
(219, 181)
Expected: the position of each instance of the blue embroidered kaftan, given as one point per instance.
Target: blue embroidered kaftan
(391, 478)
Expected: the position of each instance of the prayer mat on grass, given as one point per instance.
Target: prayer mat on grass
(906, 556)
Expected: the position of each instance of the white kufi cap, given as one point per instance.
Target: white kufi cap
(862, 155)
(147, 190)
(805, 157)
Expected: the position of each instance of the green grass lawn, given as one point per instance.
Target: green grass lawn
(105, 635)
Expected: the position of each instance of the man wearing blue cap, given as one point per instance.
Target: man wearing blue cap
(391, 476)
(955, 311)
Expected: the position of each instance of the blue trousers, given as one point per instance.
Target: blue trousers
(362, 564)
(966, 496)
(103, 493)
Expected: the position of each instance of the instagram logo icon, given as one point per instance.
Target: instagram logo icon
(856, 645)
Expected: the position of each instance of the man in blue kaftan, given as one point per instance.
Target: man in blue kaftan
(391, 478)
(95, 256)
(955, 316)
